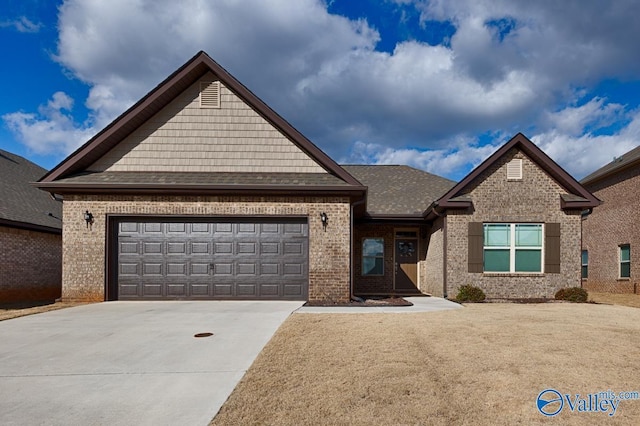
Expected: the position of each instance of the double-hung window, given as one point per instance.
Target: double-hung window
(585, 264)
(513, 247)
(625, 261)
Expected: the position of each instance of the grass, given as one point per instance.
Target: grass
(632, 300)
(484, 364)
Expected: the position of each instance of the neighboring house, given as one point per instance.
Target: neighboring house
(201, 191)
(611, 233)
(30, 234)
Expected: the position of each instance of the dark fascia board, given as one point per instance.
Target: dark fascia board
(392, 218)
(536, 154)
(78, 188)
(164, 93)
(30, 226)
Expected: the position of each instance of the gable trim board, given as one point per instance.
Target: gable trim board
(360, 202)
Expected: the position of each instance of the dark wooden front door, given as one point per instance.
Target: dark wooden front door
(406, 265)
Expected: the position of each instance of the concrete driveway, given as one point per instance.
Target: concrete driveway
(124, 363)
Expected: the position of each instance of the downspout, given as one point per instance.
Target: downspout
(351, 251)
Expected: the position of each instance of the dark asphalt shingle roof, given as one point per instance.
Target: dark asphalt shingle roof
(399, 190)
(617, 164)
(19, 200)
(202, 178)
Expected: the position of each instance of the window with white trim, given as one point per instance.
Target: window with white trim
(625, 261)
(585, 264)
(373, 256)
(513, 247)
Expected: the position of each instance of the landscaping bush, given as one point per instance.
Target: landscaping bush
(572, 294)
(469, 293)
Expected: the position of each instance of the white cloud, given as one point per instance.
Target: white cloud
(22, 25)
(510, 66)
(52, 130)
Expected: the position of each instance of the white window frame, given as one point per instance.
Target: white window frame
(512, 248)
(620, 261)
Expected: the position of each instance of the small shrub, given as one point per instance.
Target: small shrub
(572, 294)
(469, 293)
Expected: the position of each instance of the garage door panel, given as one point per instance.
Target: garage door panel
(151, 269)
(246, 290)
(152, 228)
(223, 248)
(177, 248)
(247, 248)
(223, 290)
(227, 259)
(152, 247)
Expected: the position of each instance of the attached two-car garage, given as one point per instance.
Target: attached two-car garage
(214, 258)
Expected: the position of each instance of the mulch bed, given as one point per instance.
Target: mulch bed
(367, 301)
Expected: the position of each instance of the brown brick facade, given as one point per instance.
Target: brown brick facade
(30, 265)
(535, 198)
(432, 269)
(611, 224)
(84, 254)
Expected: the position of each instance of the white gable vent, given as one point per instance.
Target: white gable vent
(209, 94)
(514, 169)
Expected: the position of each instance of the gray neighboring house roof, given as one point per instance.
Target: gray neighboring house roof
(398, 190)
(22, 205)
(618, 164)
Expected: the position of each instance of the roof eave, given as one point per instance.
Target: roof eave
(30, 226)
(196, 189)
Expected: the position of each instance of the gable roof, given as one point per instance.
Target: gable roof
(578, 198)
(22, 205)
(162, 95)
(397, 191)
(618, 164)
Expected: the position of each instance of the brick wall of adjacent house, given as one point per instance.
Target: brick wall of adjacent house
(431, 269)
(84, 249)
(611, 224)
(30, 265)
(535, 198)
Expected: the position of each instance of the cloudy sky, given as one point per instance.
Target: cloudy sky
(435, 84)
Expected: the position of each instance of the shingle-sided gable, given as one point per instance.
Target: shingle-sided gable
(186, 137)
(169, 131)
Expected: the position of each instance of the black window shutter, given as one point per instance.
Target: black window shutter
(476, 247)
(552, 248)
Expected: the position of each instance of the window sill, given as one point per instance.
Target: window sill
(623, 279)
(513, 274)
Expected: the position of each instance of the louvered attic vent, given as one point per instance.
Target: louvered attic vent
(209, 94)
(514, 169)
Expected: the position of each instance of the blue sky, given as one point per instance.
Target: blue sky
(436, 84)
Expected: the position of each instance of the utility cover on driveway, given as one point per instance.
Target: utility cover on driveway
(130, 363)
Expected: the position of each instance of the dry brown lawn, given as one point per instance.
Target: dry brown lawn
(484, 364)
(9, 312)
(632, 300)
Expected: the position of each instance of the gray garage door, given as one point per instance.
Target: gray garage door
(225, 259)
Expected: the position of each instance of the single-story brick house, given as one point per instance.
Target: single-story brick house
(201, 191)
(611, 234)
(30, 234)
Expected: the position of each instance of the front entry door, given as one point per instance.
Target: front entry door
(406, 265)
